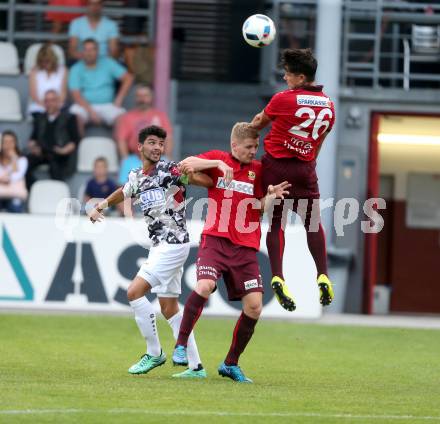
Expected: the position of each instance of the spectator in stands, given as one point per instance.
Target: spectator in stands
(92, 84)
(59, 19)
(54, 140)
(139, 58)
(94, 25)
(143, 115)
(101, 185)
(46, 75)
(13, 168)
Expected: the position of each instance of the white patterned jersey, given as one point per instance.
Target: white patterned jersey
(161, 195)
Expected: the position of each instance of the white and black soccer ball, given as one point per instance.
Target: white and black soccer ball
(259, 30)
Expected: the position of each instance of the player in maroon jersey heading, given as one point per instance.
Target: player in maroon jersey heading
(230, 240)
(301, 117)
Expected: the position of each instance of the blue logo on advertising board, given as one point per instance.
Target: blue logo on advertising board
(17, 267)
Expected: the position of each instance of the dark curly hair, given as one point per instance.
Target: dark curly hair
(151, 130)
(300, 61)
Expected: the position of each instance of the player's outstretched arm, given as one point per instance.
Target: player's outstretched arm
(195, 164)
(260, 121)
(116, 197)
(274, 192)
(200, 179)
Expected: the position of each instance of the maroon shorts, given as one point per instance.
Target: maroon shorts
(301, 174)
(238, 265)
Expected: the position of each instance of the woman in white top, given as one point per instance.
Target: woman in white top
(13, 168)
(46, 75)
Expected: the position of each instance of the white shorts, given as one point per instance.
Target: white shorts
(108, 112)
(163, 269)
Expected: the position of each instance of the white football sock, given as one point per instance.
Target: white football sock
(145, 318)
(191, 350)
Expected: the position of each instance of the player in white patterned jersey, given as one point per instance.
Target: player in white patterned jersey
(160, 194)
(159, 189)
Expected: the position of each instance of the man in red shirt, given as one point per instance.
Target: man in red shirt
(143, 115)
(230, 241)
(301, 117)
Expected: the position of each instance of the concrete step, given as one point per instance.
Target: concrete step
(221, 105)
(208, 119)
(207, 111)
(194, 88)
(205, 134)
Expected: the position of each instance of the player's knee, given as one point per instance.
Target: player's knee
(134, 292)
(138, 288)
(131, 294)
(253, 309)
(169, 310)
(166, 311)
(205, 287)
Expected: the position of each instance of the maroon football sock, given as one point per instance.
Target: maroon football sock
(316, 243)
(275, 247)
(242, 334)
(193, 308)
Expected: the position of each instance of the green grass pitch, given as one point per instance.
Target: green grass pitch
(73, 369)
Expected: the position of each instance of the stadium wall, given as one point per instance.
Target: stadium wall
(51, 263)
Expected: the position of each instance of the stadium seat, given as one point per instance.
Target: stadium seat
(30, 57)
(9, 59)
(91, 148)
(46, 195)
(10, 109)
(424, 47)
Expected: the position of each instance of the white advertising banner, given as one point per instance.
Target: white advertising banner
(47, 263)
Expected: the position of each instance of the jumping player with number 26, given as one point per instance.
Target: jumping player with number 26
(301, 118)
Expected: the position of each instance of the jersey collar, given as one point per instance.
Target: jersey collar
(312, 88)
(237, 162)
(150, 171)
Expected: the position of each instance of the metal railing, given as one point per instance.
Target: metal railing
(376, 45)
(13, 8)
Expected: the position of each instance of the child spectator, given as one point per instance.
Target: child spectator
(100, 186)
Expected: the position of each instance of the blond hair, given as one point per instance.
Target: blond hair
(47, 57)
(243, 130)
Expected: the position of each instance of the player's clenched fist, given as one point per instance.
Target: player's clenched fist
(228, 172)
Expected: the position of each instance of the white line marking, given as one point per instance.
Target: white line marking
(216, 413)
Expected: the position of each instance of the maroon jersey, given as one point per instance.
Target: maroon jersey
(233, 211)
(300, 117)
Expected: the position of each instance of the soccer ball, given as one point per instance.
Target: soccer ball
(259, 30)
